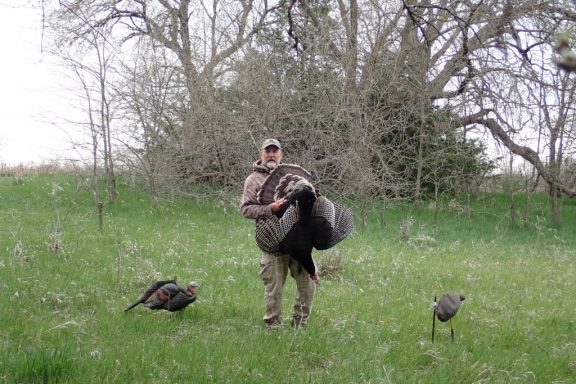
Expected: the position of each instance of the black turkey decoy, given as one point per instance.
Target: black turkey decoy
(167, 295)
(308, 220)
(445, 309)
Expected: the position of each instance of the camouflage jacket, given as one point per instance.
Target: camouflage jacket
(249, 207)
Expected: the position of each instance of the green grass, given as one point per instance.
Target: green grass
(62, 294)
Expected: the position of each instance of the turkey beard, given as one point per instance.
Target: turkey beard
(271, 164)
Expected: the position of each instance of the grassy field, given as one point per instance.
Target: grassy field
(64, 285)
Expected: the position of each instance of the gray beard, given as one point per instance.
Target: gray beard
(271, 164)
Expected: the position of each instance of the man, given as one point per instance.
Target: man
(274, 268)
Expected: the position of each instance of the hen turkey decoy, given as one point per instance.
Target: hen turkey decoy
(445, 309)
(168, 295)
(308, 220)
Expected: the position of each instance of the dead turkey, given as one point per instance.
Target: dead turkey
(167, 295)
(308, 220)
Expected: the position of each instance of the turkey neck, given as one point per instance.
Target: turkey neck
(305, 199)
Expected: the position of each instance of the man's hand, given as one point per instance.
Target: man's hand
(277, 205)
(315, 277)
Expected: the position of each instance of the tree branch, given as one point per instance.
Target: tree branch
(525, 152)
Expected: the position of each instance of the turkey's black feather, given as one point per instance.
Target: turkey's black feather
(298, 242)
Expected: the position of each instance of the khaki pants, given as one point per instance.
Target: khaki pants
(273, 272)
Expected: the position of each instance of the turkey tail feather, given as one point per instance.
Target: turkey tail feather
(278, 182)
(133, 305)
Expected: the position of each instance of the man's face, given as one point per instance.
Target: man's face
(271, 156)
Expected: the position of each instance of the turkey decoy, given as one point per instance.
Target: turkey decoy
(167, 295)
(308, 220)
(445, 309)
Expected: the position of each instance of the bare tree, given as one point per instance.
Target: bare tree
(373, 97)
(203, 37)
(91, 60)
(557, 105)
(148, 94)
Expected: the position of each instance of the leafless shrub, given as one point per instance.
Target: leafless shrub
(405, 228)
(19, 252)
(330, 264)
(54, 242)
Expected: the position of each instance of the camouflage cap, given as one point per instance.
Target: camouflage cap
(269, 142)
